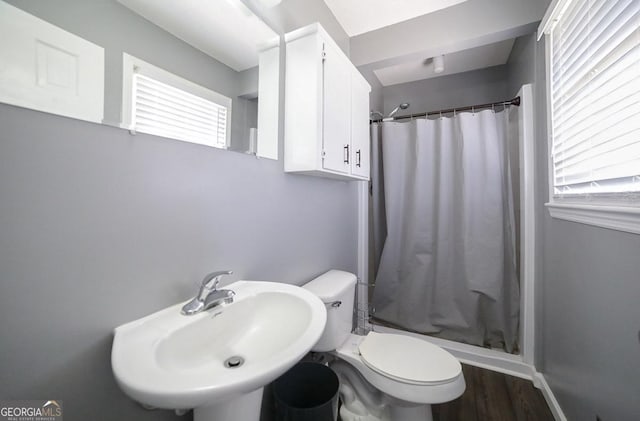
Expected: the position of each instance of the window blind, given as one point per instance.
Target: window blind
(164, 110)
(595, 98)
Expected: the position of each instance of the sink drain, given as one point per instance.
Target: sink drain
(234, 362)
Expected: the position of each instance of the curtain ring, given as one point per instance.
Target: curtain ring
(440, 114)
(473, 110)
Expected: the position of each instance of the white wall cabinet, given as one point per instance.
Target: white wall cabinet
(326, 109)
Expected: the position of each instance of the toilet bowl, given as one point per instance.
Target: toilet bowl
(382, 376)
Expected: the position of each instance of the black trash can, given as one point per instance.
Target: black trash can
(307, 392)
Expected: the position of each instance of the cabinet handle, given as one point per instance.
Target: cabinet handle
(346, 154)
(358, 158)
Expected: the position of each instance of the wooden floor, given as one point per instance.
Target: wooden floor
(489, 396)
(492, 396)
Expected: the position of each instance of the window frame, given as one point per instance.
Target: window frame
(132, 65)
(619, 212)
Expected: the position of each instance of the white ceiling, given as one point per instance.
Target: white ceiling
(471, 35)
(360, 16)
(223, 29)
(389, 40)
(457, 62)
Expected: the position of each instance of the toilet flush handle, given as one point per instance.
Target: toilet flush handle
(334, 304)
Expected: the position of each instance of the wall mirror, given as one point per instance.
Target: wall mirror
(116, 62)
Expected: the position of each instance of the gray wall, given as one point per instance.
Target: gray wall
(591, 320)
(474, 87)
(376, 99)
(587, 290)
(99, 227)
(245, 116)
(521, 68)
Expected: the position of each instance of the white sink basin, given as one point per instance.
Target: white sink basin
(169, 360)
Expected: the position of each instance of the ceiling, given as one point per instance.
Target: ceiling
(360, 16)
(471, 35)
(456, 62)
(388, 40)
(210, 26)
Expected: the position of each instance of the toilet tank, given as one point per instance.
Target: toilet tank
(336, 289)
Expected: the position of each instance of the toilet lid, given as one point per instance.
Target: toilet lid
(408, 359)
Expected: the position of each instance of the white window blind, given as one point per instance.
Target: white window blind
(164, 110)
(595, 98)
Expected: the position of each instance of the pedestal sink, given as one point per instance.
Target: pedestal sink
(218, 361)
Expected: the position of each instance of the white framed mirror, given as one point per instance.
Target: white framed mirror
(214, 47)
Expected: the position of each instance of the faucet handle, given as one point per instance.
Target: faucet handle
(212, 280)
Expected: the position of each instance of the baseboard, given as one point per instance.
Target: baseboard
(554, 406)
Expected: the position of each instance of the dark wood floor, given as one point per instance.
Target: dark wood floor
(489, 396)
(492, 396)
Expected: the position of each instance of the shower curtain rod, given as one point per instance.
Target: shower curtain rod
(515, 101)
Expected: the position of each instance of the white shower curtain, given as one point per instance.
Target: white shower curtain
(448, 264)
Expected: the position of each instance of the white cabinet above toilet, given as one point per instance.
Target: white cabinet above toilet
(326, 108)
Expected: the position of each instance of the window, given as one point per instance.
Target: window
(593, 63)
(160, 103)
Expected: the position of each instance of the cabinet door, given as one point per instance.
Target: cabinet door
(336, 86)
(360, 140)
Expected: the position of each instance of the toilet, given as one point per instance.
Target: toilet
(383, 377)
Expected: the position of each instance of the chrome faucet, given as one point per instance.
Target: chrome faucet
(209, 294)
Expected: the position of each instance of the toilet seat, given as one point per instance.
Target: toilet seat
(407, 359)
(401, 386)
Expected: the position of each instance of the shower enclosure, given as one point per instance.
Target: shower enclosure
(448, 233)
